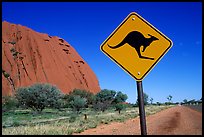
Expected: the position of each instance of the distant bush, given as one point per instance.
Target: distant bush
(145, 97)
(103, 99)
(158, 103)
(72, 118)
(77, 103)
(83, 94)
(168, 103)
(69, 101)
(120, 97)
(39, 96)
(119, 107)
(8, 103)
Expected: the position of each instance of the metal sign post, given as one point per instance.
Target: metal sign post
(141, 108)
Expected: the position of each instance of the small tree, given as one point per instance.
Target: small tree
(120, 97)
(83, 94)
(103, 99)
(118, 101)
(39, 96)
(146, 98)
(191, 102)
(120, 107)
(158, 103)
(185, 101)
(151, 100)
(77, 103)
(8, 103)
(169, 98)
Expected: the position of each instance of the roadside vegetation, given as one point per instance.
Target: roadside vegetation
(42, 109)
(65, 121)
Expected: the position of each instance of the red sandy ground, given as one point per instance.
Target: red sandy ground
(178, 120)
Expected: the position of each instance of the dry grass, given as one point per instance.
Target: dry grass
(66, 125)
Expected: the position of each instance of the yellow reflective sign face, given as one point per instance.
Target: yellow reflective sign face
(136, 46)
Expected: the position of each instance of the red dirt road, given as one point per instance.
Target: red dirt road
(178, 120)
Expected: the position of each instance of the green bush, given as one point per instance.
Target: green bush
(103, 99)
(39, 96)
(8, 103)
(77, 103)
(92, 124)
(79, 130)
(145, 97)
(120, 97)
(72, 118)
(119, 107)
(83, 94)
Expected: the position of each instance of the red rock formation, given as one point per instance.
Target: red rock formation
(29, 57)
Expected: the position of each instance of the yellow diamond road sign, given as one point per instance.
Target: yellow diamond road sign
(136, 46)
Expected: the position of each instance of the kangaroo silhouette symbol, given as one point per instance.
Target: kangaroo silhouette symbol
(137, 40)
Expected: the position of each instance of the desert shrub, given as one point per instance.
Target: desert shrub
(68, 99)
(120, 97)
(78, 102)
(79, 130)
(83, 94)
(9, 103)
(72, 118)
(145, 97)
(167, 103)
(92, 125)
(103, 99)
(39, 96)
(119, 107)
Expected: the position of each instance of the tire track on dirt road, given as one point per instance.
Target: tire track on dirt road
(178, 120)
(171, 124)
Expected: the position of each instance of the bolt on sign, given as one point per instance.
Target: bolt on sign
(136, 46)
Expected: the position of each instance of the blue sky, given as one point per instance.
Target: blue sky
(86, 25)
